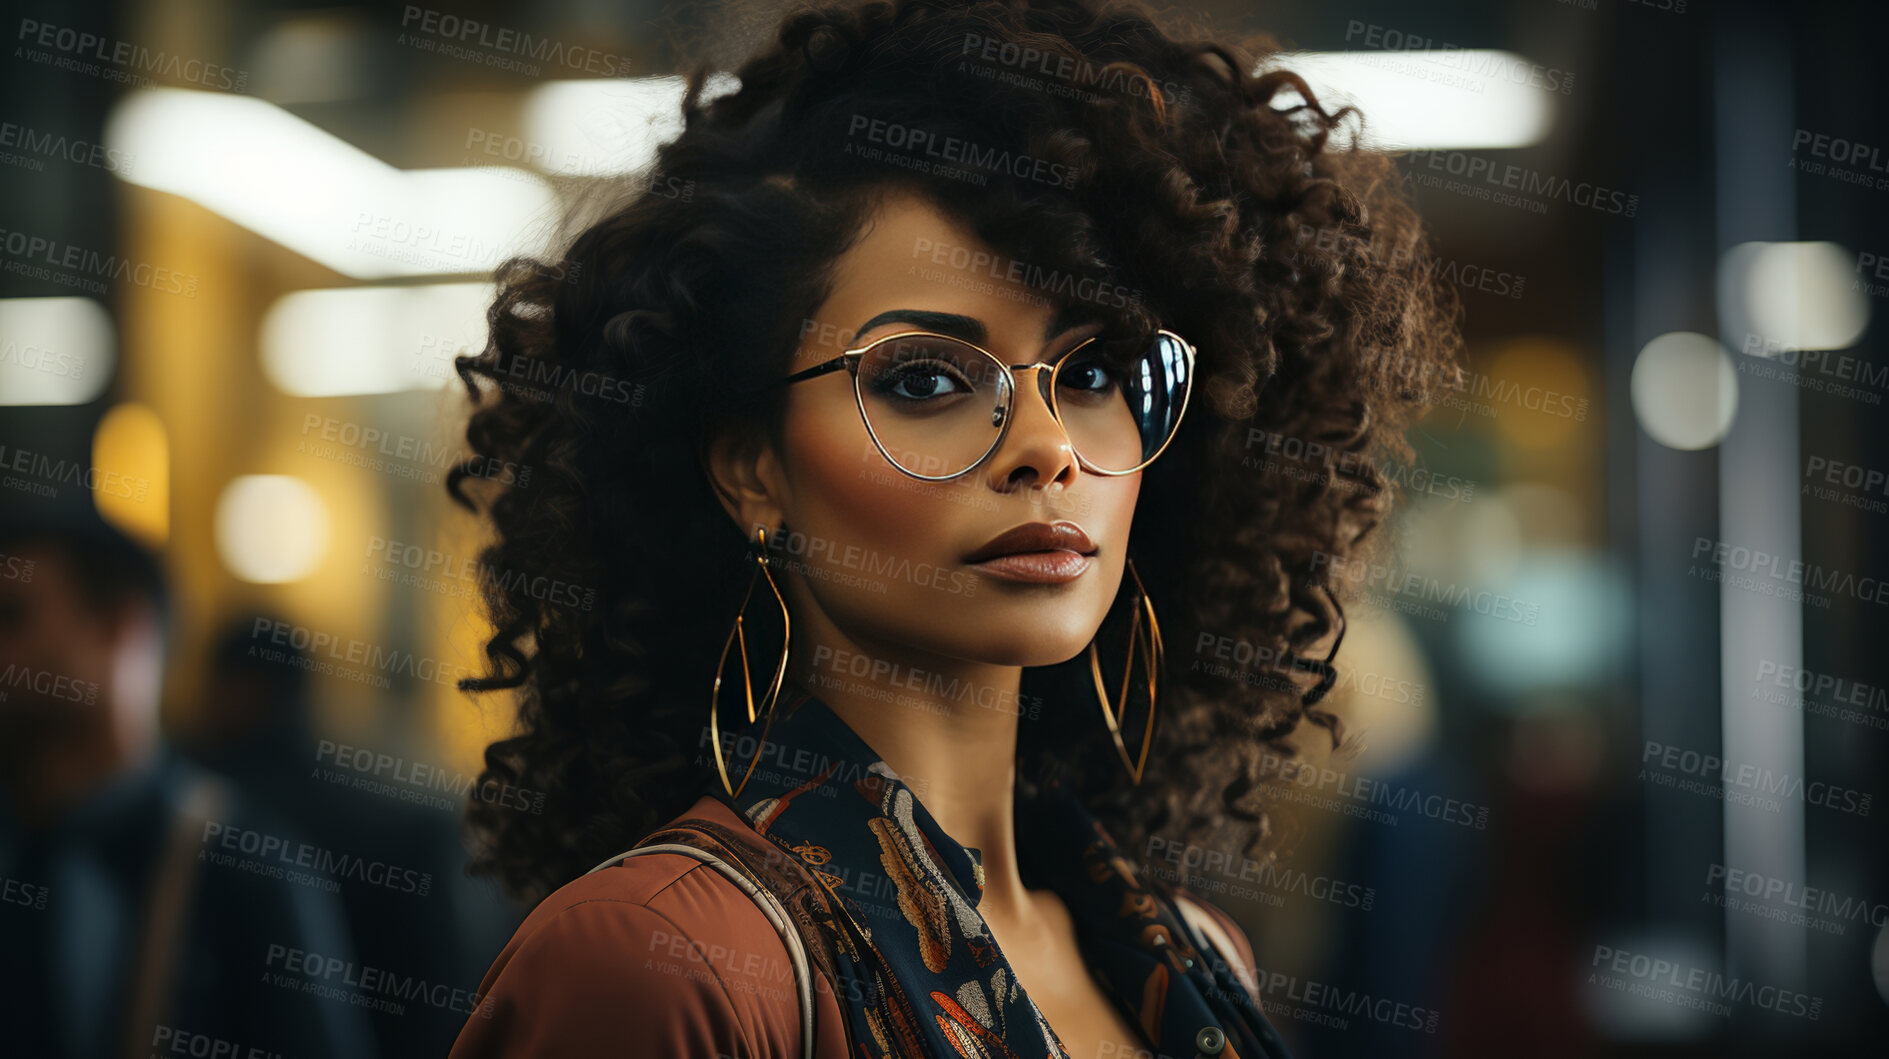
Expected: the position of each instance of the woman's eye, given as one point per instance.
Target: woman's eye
(1089, 376)
(920, 382)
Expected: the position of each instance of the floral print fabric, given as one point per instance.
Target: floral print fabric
(921, 973)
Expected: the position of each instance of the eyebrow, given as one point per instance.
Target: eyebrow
(970, 328)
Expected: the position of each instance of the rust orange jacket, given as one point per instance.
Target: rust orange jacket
(661, 954)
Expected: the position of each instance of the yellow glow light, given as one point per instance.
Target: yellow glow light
(131, 453)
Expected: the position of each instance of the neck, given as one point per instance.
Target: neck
(55, 771)
(947, 727)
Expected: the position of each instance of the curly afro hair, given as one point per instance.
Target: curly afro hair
(1219, 194)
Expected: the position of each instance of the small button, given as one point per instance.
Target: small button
(1210, 1040)
(1187, 962)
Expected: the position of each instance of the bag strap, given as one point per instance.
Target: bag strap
(1212, 931)
(770, 907)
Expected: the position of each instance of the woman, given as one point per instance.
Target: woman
(934, 383)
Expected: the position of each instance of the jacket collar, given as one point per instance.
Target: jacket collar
(810, 753)
(820, 792)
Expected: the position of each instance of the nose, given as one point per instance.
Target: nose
(1036, 450)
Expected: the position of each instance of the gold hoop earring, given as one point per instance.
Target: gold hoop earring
(1151, 657)
(738, 638)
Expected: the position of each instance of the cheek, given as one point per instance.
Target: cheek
(844, 490)
(1116, 500)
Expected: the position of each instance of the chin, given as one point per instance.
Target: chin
(1033, 644)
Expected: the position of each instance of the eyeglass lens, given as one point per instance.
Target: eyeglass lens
(937, 405)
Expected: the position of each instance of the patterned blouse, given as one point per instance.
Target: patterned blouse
(931, 976)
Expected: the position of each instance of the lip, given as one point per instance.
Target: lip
(1035, 537)
(1036, 552)
(1043, 568)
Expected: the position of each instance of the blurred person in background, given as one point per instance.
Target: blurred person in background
(253, 722)
(127, 929)
(379, 806)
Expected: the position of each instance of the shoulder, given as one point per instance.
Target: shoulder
(660, 954)
(1223, 933)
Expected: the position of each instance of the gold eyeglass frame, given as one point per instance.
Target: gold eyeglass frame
(850, 360)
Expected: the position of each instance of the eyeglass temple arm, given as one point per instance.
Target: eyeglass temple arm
(818, 369)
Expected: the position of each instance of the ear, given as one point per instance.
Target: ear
(745, 472)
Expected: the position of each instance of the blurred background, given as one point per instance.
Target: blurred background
(1621, 688)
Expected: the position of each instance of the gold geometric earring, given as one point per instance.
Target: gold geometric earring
(738, 638)
(1148, 642)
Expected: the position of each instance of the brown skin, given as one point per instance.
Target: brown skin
(55, 746)
(830, 484)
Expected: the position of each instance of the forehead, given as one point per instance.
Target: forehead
(912, 255)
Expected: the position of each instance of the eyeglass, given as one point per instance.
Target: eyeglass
(937, 406)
